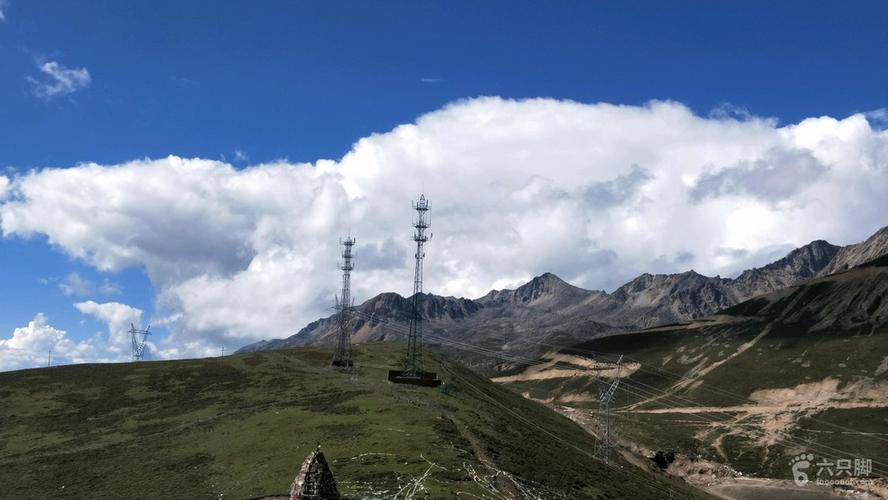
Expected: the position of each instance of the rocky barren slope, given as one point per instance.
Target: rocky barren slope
(855, 255)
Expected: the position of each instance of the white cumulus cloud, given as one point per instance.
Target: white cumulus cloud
(119, 318)
(30, 347)
(596, 193)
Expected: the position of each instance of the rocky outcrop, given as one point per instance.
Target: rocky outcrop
(854, 255)
(544, 291)
(844, 300)
(651, 300)
(801, 264)
(658, 299)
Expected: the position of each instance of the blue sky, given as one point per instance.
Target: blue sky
(252, 82)
(303, 80)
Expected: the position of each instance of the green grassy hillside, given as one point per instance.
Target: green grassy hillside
(240, 426)
(747, 394)
(800, 369)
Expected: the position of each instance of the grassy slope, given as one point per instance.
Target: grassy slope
(787, 356)
(240, 426)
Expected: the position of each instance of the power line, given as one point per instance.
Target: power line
(701, 384)
(473, 387)
(521, 418)
(665, 396)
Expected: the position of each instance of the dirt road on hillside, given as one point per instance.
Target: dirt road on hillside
(768, 489)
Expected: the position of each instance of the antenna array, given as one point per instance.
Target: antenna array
(413, 362)
(342, 357)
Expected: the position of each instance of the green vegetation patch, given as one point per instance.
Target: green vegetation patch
(240, 426)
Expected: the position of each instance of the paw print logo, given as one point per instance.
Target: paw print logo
(800, 464)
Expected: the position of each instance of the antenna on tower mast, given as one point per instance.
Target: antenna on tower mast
(139, 340)
(413, 366)
(342, 357)
(413, 362)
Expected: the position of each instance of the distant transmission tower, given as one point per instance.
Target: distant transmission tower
(413, 363)
(605, 417)
(343, 355)
(139, 340)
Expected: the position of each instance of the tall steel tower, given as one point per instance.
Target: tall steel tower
(343, 355)
(139, 340)
(605, 417)
(413, 363)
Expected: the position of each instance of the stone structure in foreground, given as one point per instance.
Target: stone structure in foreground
(314, 481)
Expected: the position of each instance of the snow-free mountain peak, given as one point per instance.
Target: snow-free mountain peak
(854, 255)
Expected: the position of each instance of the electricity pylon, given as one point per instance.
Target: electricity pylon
(605, 417)
(139, 341)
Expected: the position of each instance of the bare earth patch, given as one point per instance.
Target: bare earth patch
(586, 367)
(778, 410)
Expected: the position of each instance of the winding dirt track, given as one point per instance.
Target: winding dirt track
(762, 489)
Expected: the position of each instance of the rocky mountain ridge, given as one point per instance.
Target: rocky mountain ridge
(854, 255)
(844, 300)
(549, 308)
